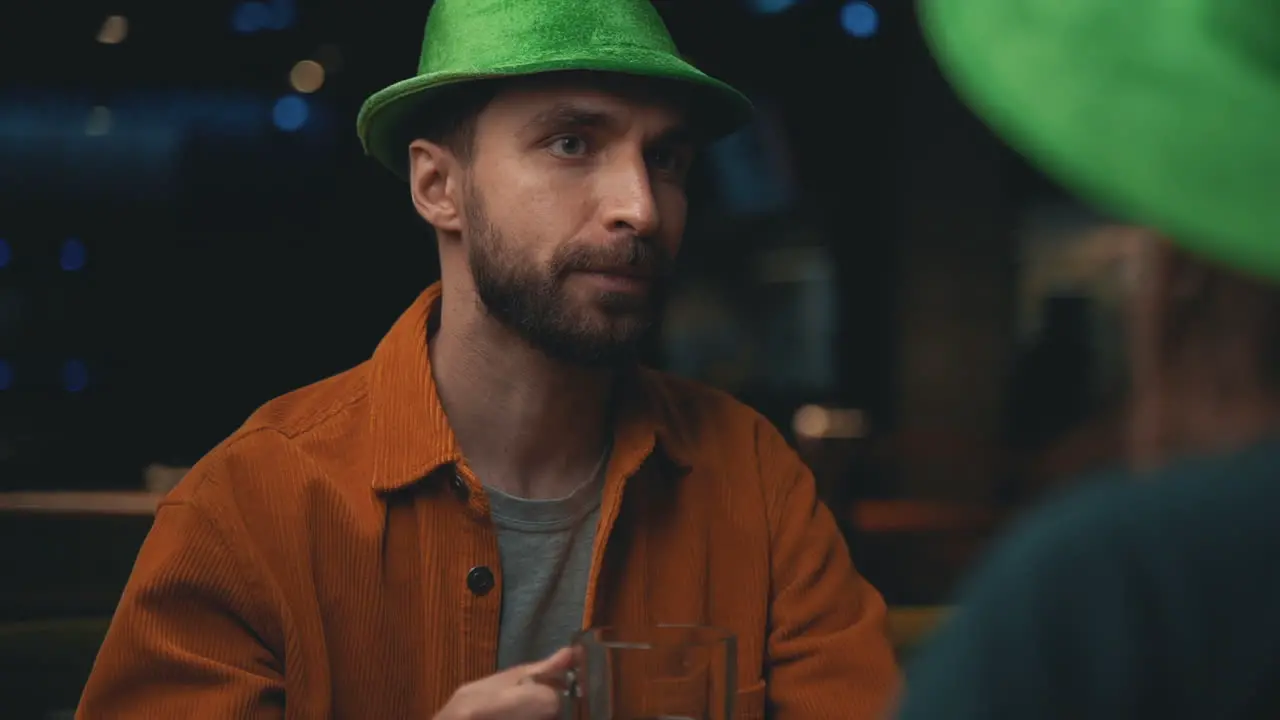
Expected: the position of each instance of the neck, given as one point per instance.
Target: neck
(1200, 418)
(528, 425)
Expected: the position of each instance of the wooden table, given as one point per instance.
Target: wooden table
(906, 516)
(80, 502)
(910, 626)
(69, 553)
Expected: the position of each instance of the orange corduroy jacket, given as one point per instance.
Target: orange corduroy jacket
(319, 562)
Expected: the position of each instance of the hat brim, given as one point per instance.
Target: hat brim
(1135, 107)
(716, 108)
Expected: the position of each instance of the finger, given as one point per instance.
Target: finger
(558, 662)
(530, 701)
(552, 666)
(554, 671)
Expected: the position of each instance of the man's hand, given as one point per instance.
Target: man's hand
(524, 692)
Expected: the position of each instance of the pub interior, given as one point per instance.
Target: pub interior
(188, 228)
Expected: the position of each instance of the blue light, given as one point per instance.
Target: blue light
(75, 376)
(250, 17)
(255, 16)
(281, 15)
(770, 7)
(860, 19)
(6, 375)
(73, 256)
(290, 112)
(6, 253)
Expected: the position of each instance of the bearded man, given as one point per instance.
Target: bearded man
(421, 536)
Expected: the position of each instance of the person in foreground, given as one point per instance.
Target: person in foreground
(420, 536)
(1151, 591)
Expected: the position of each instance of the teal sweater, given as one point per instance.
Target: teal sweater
(1151, 597)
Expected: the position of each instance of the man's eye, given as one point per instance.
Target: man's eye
(569, 145)
(663, 159)
(668, 160)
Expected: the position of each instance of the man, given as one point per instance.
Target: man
(1151, 592)
(420, 536)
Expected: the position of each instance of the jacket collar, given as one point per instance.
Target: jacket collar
(411, 435)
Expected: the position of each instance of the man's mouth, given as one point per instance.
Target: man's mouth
(623, 271)
(630, 280)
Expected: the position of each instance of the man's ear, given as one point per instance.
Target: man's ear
(434, 181)
(1170, 286)
(1149, 306)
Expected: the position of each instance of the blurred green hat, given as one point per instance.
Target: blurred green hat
(469, 40)
(1165, 112)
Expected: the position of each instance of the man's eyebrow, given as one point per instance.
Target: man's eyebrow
(573, 116)
(569, 116)
(677, 135)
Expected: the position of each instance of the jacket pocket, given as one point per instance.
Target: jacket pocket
(749, 702)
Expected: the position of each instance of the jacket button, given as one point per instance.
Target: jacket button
(460, 487)
(480, 580)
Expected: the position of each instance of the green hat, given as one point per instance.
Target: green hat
(467, 40)
(1166, 112)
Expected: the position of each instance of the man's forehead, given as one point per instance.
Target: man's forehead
(582, 96)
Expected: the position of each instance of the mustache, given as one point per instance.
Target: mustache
(634, 253)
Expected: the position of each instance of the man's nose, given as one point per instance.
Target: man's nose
(627, 198)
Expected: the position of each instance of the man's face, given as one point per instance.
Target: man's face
(574, 206)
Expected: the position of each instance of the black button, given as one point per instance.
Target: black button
(480, 580)
(460, 487)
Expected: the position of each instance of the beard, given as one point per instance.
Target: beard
(532, 300)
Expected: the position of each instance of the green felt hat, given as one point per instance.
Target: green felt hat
(1165, 112)
(469, 40)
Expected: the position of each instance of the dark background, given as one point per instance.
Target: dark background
(228, 261)
(179, 244)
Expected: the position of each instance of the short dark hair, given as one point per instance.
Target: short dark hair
(1232, 304)
(449, 118)
(1271, 346)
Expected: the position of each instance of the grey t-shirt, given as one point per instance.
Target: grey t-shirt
(545, 547)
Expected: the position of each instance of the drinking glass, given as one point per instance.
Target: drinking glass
(661, 672)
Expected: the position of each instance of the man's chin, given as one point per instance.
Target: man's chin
(622, 327)
(609, 341)
(618, 307)
(592, 354)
